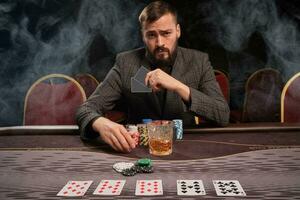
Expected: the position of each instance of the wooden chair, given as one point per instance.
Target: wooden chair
(53, 100)
(290, 100)
(262, 96)
(88, 82)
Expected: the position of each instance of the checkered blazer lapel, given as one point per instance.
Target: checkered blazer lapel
(173, 100)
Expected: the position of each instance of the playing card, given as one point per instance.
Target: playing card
(190, 187)
(75, 188)
(110, 187)
(228, 188)
(141, 75)
(136, 87)
(148, 187)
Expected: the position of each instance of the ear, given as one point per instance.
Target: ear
(178, 31)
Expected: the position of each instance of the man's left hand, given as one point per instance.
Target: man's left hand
(158, 79)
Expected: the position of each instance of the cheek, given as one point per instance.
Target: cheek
(172, 44)
(150, 45)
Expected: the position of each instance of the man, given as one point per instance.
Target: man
(182, 81)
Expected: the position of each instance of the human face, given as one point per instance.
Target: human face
(160, 38)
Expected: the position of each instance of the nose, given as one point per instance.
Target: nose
(159, 41)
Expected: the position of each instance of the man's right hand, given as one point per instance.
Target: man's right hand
(114, 134)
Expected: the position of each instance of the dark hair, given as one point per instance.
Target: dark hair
(156, 10)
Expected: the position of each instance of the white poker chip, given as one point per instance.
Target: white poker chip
(120, 166)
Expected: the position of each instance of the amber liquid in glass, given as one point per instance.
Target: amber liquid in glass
(160, 147)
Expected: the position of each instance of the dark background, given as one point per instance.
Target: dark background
(39, 37)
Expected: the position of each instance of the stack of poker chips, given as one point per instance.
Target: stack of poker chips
(143, 131)
(133, 131)
(143, 165)
(178, 129)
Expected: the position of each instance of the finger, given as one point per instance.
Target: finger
(128, 137)
(116, 143)
(122, 141)
(148, 75)
(156, 89)
(109, 141)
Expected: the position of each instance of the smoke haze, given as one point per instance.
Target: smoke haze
(39, 37)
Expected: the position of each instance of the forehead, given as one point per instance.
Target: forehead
(165, 22)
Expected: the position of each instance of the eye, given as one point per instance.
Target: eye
(166, 34)
(150, 35)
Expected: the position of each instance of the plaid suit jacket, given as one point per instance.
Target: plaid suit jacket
(191, 67)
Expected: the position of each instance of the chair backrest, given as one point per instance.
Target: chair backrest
(223, 81)
(290, 100)
(53, 100)
(262, 96)
(88, 82)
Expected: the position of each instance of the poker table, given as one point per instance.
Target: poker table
(37, 161)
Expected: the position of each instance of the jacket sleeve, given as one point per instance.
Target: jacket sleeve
(208, 101)
(103, 99)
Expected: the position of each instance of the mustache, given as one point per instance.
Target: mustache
(161, 49)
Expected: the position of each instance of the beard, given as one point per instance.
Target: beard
(162, 61)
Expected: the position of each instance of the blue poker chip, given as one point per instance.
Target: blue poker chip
(146, 121)
(178, 128)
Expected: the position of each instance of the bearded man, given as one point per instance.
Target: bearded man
(182, 82)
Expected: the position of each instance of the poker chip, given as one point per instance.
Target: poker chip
(130, 171)
(133, 131)
(120, 166)
(144, 169)
(144, 162)
(143, 165)
(178, 128)
(146, 121)
(143, 137)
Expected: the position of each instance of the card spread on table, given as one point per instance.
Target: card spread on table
(190, 187)
(148, 187)
(110, 187)
(75, 188)
(228, 188)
